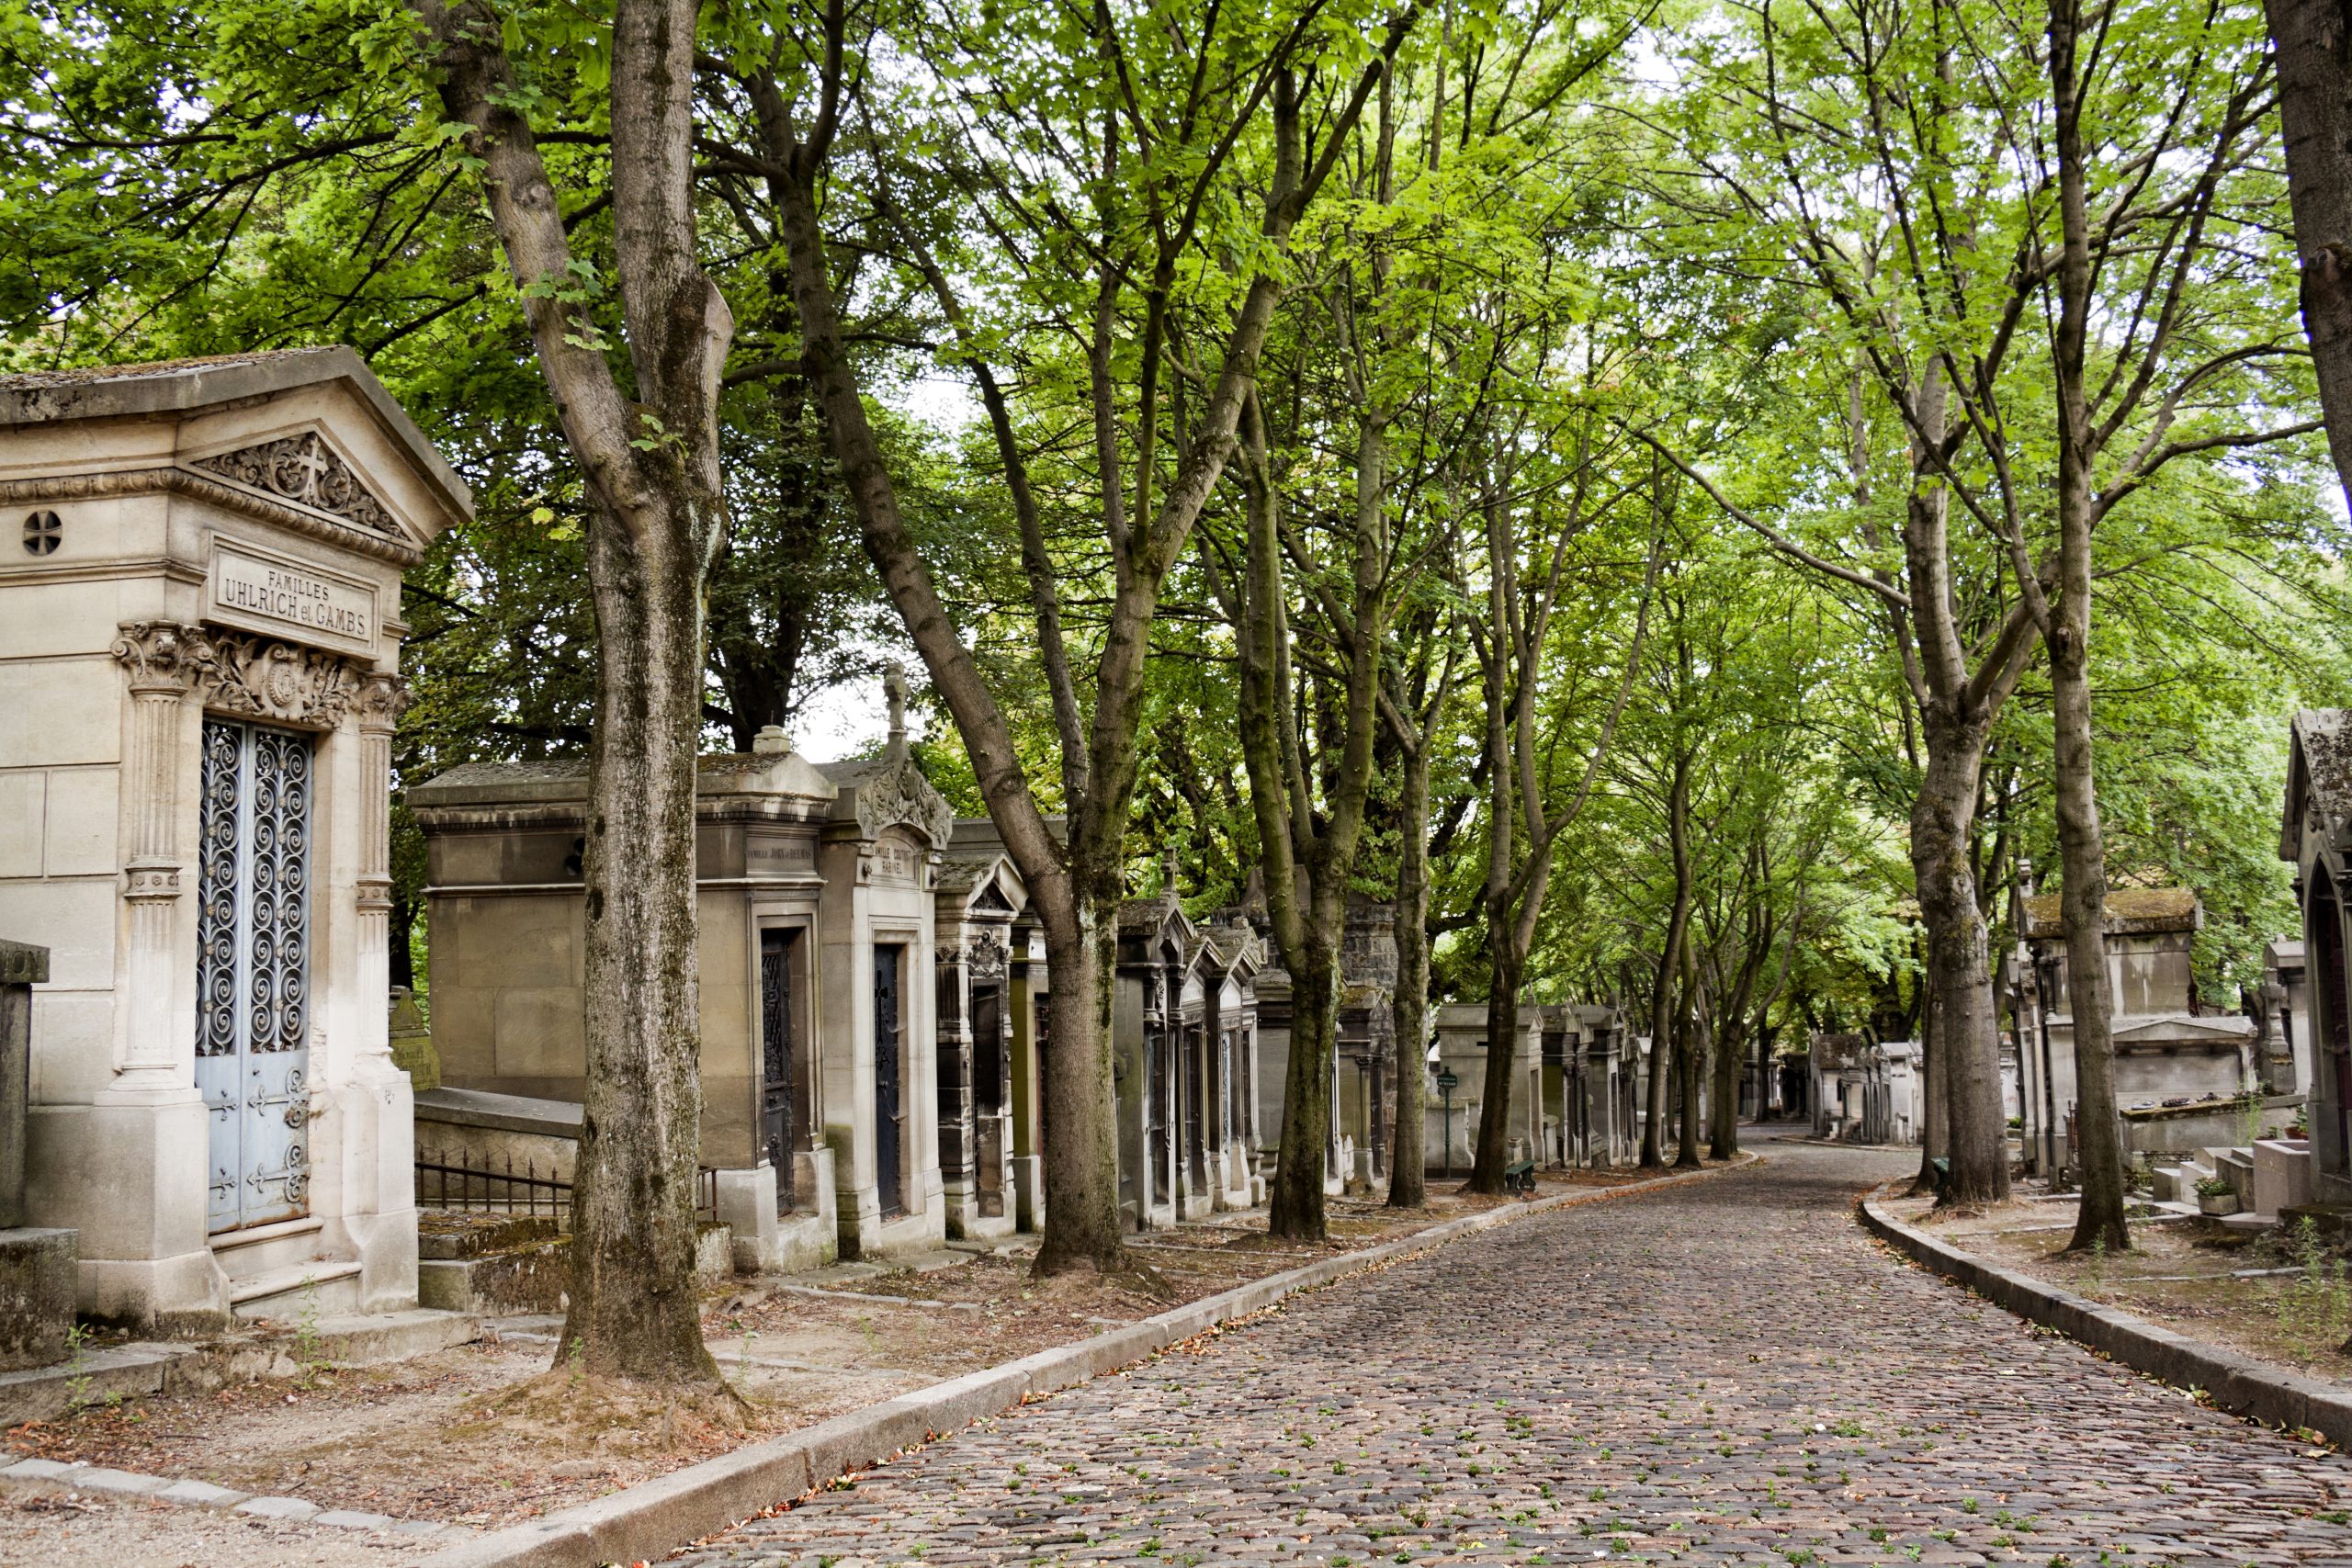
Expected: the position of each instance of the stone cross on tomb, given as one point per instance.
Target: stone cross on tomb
(311, 465)
(894, 687)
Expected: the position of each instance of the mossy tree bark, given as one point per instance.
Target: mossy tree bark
(2314, 55)
(1414, 715)
(2066, 630)
(649, 460)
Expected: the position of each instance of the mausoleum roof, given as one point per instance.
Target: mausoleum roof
(2131, 911)
(189, 386)
(890, 790)
(964, 877)
(565, 778)
(2319, 774)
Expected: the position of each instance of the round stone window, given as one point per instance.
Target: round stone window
(43, 533)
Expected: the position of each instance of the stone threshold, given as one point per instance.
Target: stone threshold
(2228, 1379)
(43, 1475)
(654, 1517)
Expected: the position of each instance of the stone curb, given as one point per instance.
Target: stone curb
(2234, 1383)
(652, 1519)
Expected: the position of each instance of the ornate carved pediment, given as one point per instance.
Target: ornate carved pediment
(897, 794)
(305, 470)
(260, 677)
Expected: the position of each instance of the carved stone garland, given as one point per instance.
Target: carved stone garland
(985, 953)
(239, 673)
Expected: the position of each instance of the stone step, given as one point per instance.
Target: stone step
(320, 1289)
(367, 1339)
(529, 1278)
(266, 1249)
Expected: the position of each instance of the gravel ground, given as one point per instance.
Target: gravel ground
(92, 1533)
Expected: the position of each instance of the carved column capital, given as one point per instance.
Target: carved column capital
(164, 658)
(379, 702)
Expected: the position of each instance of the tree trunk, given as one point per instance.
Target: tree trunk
(1492, 1156)
(2099, 1222)
(1076, 899)
(656, 511)
(1080, 1141)
(1670, 965)
(1308, 864)
(1935, 1134)
(2315, 52)
(1409, 1160)
(1958, 958)
(1723, 1125)
(1302, 1162)
(1690, 1058)
(634, 1308)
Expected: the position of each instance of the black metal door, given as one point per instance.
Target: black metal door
(775, 1060)
(1195, 1091)
(888, 1131)
(1155, 1117)
(988, 1083)
(988, 1049)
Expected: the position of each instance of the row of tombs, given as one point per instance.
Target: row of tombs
(201, 1105)
(202, 631)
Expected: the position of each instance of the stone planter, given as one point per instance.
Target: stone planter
(2218, 1202)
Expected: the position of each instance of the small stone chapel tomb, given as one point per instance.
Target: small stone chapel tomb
(199, 620)
(816, 912)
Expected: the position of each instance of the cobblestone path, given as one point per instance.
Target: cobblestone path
(1723, 1373)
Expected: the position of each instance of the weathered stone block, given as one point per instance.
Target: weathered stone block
(36, 1296)
(530, 1277)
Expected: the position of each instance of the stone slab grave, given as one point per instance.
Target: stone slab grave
(199, 643)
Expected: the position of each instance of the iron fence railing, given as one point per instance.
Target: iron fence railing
(469, 1182)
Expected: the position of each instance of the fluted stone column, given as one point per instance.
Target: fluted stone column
(164, 660)
(377, 709)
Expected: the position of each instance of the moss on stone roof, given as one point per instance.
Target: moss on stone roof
(2131, 911)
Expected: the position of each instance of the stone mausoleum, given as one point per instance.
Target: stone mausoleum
(2316, 837)
(200, 621)
(2183, 1074)
(818, 895)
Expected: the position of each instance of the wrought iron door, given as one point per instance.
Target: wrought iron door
(252, 990)
(1155, 1113)
(1195, 1091)
(988, 1081)
(775, 1060)
(889, 1130)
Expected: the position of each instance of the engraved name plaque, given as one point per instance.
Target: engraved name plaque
(264, 592)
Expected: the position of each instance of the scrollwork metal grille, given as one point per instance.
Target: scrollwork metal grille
(253, 970)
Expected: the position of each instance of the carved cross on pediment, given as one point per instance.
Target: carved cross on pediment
(305, 470)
